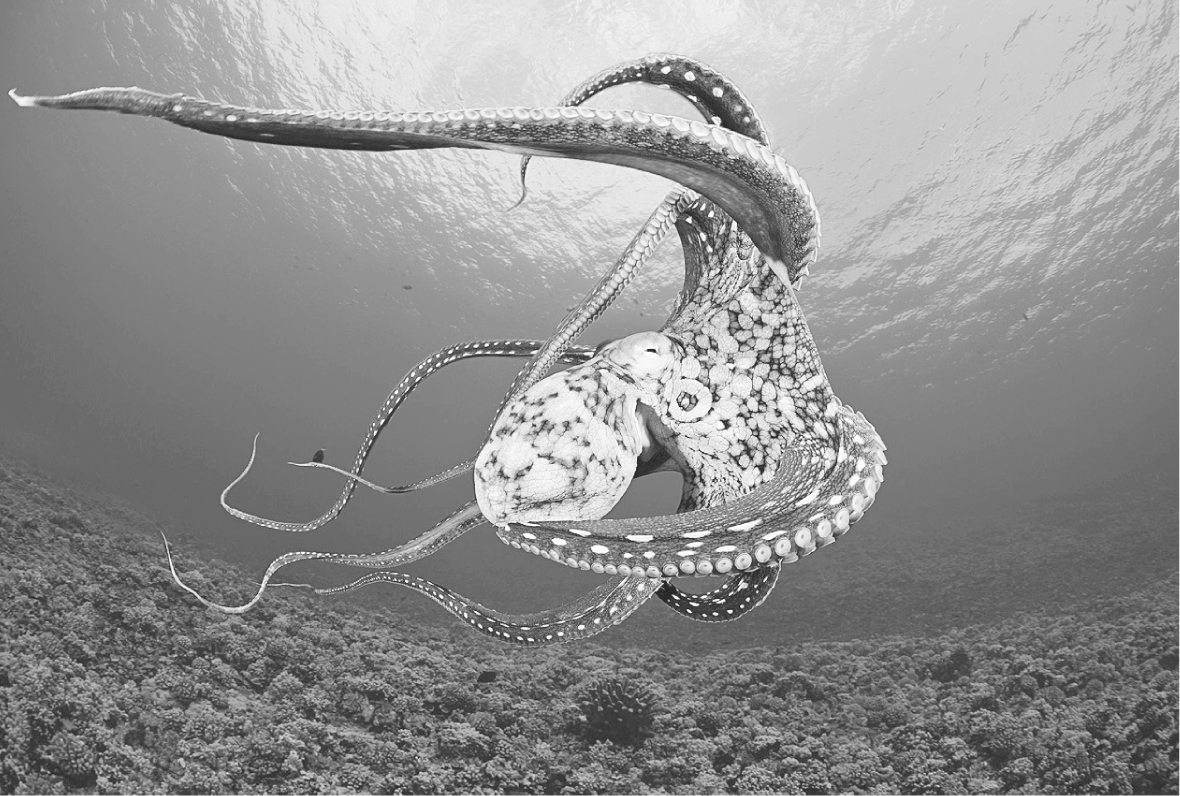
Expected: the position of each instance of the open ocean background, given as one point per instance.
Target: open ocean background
(996, 288)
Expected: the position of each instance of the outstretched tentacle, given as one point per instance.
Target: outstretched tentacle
(757, 188)
(419, 373)
(739, 595)
(606, 606)
(445, 532)
(718, 99)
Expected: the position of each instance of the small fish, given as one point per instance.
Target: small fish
(318, 456)
(487, 677)
(1024, 315)
(407, 287)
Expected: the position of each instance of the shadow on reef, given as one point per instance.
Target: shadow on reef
(109, 684)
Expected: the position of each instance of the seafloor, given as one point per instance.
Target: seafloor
(113, 681)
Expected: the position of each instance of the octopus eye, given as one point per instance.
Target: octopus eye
(646, 353)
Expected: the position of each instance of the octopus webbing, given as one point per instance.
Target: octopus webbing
(729, 391)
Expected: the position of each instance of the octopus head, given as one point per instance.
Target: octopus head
(567, 448)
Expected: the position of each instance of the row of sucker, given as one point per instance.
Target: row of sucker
(591, 614)
(715, 96)
(777, 523)
(719, 265)
(755, 186)
(739, 595)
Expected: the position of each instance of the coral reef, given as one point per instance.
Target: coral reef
(618, 709)
(112, 681)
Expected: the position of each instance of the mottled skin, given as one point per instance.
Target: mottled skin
(730, 392)
(569, 445)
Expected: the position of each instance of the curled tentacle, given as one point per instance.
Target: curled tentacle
(813, 498)
(718, 99)
(756, 187)
(445, 532)
(736, 597)
(606, 606)
(419, 373)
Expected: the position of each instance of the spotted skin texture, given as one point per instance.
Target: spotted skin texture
(740, 595)
(730, 392)
(718, 99)
(749, 414)
(604, 607)
(812, 499)
(750, 383)
(568, 447)
(722, 103)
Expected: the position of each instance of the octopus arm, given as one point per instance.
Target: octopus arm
(713, 94)
(739, 595)
(445, 532)
(606, 606)
(817, 492)
(764, 195)
(418, 374)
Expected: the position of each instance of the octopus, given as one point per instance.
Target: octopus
(729, 392)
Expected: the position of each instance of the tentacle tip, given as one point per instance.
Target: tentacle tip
(21, 100)
(523, 195)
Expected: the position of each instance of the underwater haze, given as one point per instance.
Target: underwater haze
(996, 290)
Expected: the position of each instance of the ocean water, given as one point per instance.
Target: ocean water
(996, 288)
